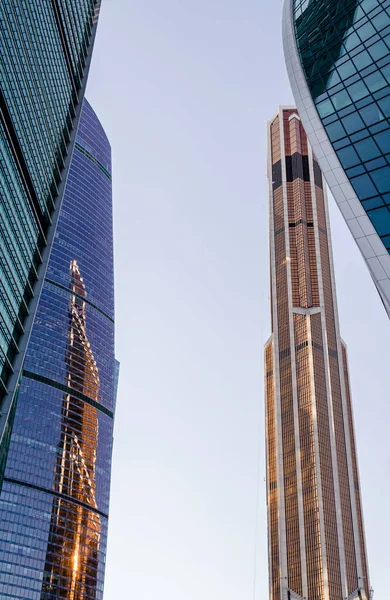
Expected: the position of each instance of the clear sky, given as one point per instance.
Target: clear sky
(184, 89)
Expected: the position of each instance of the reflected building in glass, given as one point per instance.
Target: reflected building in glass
(338, 60)
(55, 497)
(317, 548)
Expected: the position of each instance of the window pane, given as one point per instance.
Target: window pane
(325, 108)
(367, 149)
(375, 81)
(380, 218)
(364, 187)
(352, 123)
(371, 114)
(348, 157)
(382, 179)
(341, 99)
(335, 131)
(358, 90)
(378, 50)
(362, 60)
(383, 141)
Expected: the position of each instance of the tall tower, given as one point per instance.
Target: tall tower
(46, 50)
(317, 546)
(54, 501)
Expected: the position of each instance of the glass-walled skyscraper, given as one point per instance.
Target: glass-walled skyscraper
(317, 548)
(55, 497)
(338, 60)
(45, 49)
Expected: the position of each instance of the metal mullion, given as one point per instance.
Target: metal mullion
(73, 24)
(50, 128)
(23, 117)
(64, 44)
(46, 161)
(88, 22)
(52, 132)
(21, 209)
(12, 234)
(65, 75)
(8, 329)
(19, 168)
(9, 308)
(8, 332)
(13, 283)
(29, 244)
(70, 38)
(6, 362)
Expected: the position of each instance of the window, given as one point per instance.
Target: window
(335, 131)
(380, 218)
(367, 149)
(383, 141)
(375, 81)
(364, 187)
(371, 114)
(381, 178)
(352, 123)
(348, 157)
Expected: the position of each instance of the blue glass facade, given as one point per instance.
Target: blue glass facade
(344, 48)
(45, 48)
(55, 497)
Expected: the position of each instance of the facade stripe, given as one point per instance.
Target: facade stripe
(70, 391)
(70, 499)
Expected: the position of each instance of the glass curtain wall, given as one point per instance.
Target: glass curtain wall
(344, 48)
(55, 497)
(44, 55)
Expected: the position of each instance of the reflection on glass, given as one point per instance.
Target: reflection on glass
(72, 558)
(329, 40)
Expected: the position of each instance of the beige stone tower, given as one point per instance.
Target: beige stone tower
(317, 547)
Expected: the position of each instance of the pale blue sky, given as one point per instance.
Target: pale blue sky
(184, 90)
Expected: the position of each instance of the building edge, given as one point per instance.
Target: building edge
(360, 226)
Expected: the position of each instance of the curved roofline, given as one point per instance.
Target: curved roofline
(89, 105)
(370, 244)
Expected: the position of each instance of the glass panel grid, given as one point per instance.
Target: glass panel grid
(43, 50)
(344, 48)
(55, 498)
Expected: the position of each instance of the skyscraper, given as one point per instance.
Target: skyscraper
(317, 547)
(45, 54)
(55, 497)
(338, 60)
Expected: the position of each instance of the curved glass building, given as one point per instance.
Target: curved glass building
(55, 497)
(45, 50)
(338, 60)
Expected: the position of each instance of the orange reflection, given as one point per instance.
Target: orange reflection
(72, 556)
